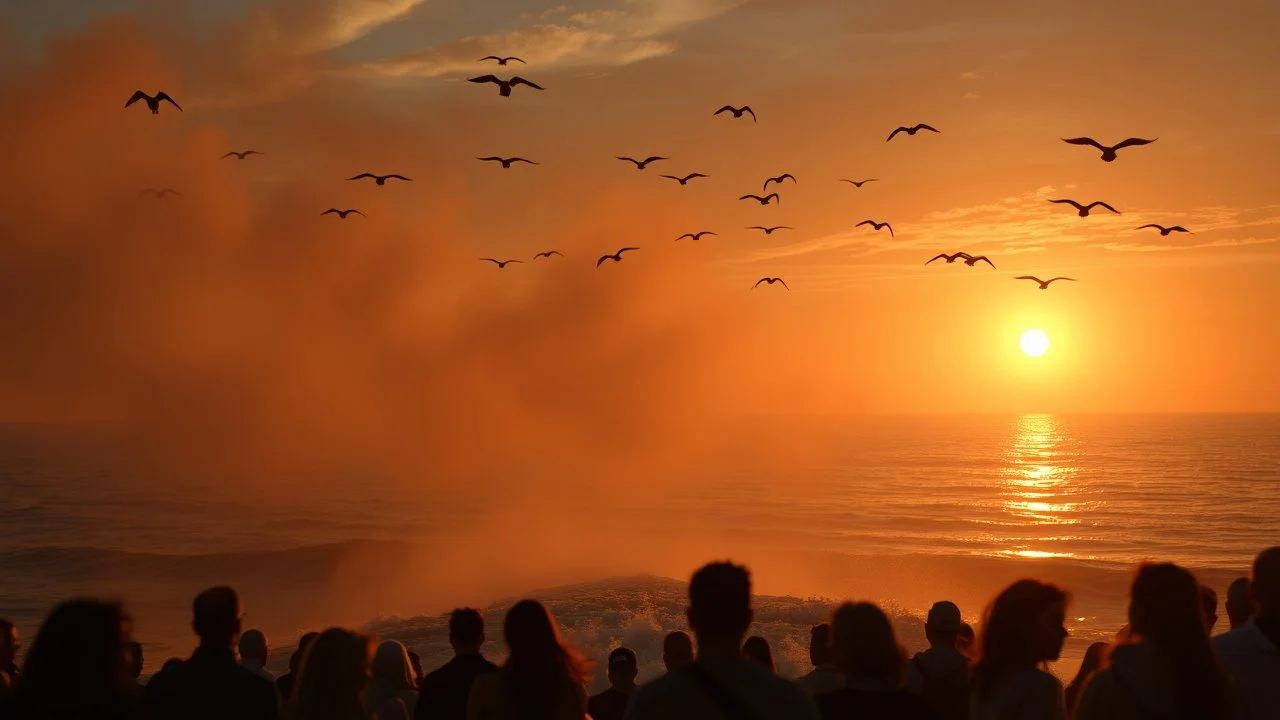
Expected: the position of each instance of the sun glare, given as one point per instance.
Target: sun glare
(1034, 342)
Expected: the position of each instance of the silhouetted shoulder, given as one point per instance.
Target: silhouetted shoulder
(856, 703)
(1024, 692)
(680, 695)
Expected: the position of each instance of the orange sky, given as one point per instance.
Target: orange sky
(237, 301)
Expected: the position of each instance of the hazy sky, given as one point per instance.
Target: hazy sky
(240, 288)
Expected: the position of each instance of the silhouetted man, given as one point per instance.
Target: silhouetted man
(677, 650)
(444, 692)
(8, 654)
(823, 678)
(211, 685)
(1209, 603)
(1251, 653)
(622, 670)
(1239, 602)
(941, 674)
(135, 659)
(286, 682)
(720, 682)
(254, 652)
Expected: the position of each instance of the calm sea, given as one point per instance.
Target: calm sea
(906, 510)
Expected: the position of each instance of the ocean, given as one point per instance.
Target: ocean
(901, 510)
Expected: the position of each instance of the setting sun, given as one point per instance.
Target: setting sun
(1034, 342)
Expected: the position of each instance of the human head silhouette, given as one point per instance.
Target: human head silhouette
(622, 668)
(677, 650)
(1209, 606)
(78, 664)
(1239, 602)
(335, 671)
(466, 631)
(720, 605)
(757, 650)
(1265, 583)
(216, 616)
(865, 646)
(820, 644)
(253, 645)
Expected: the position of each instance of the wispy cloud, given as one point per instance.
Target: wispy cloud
(309, 26)
(970, 75)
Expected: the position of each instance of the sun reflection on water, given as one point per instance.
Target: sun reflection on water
(1037, 490)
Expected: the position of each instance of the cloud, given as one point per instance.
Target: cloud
(1151, 247)
(309, 26)
(970, 96)
(970, 75)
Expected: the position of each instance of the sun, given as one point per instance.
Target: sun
(1034, 342)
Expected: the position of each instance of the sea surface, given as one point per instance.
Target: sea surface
(904, 511)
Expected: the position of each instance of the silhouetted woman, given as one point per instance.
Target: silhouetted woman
(757, 650)
(542, 679)
(1023, 629)
(393, 690)
(1091, 664)
(867, 653)
(332, 678)
(78, 667)
(1170, 671)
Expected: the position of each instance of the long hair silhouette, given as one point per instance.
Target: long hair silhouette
(333, 675)
(1005, 642)
(541, 665)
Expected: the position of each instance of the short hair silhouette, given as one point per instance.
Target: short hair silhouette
(624, 656)
(756, 649)
(1239, 603)
(253, 644)
(866, 647)
(466, 628)
(820, 644)
(215, 616)
(1265, 583)
(677, 650)
(720, 600)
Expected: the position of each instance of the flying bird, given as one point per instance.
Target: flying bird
(160, 193)
(153, 102)
(685, 180)
(380, 179)
(695, 236)
(877, 225)
(779, 179)
(770, 280)
(950, 258)
(240, 155)
(769, 230)
(502, 60)
(640, 164)
(1108, 153)
(762, 200)
(1044, 284)
(506, 162)
(547, 254)
(1084, 209)
(912, 130)
(737, 112)
(1164, 231)
(342, 214)
(500, 263)
(504, 86)
(616, 257)
(859, 183)
(973, 260)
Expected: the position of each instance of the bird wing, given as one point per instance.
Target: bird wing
(491, 157)
(629, 159)
(364, 175)
(983, 258)
(651, 158)
(1099, 202)
(758, 227)
(495, 262)
(400, 177)
(1046, 282)
(353, 210)
(486, 79)
(253, 152)
(1150, 225)
(163, 96)
(169, 190)
(691, 236)
(872, 223)
(513, 57)
(750, 197)
(1068, 202)
(747, 109)
(753, 287)
(691, 176)
(333, 211)
(1178, 228)
(490, 57)
(769, 180)
(521, 81)
(890, 229)
(233, 152)
(775, 196)
(939, 256)
(922, 126)
(626, 249)
(1130, 142)
(784, 176)
(1084, 141)
(895, 132)
(673, 177)
(784, 284)
(139, 95)
(556, 252)
(729, 108)
(602, 259)
(1029, 277)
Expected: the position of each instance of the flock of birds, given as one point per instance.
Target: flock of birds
(505, 87)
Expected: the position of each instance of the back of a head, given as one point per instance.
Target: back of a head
(942, 624)
(820, 644)
(215, 617)
(332, 677)
(540, 666)
(622, 666)
(1265, 583)
(757, 650)
(466, 630)
(865, 647)
(677, 650)
(304, 642)
(1209, 606)
(720, 602)
(79, 661)
(1008, 628)
(253, 644)
(1239, 602)
(391, 665)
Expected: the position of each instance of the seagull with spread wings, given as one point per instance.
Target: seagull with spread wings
(1044, 284)
(616, 257)
(912, 130)
(763, 200)
(504, 86)
(506, 162)
(778, 179)
(695, 236)
(737, 112)
(771, 280)
(877, 226)
(1109, 153)
(342, 214)
(950, 258)
(858, 183)
(1084, 209)
(153, 101)
(502, 60)
(500, 263)
(685, 180)
(642, 164)
(1164, 231)
(240, 155)
(381, 179)
(547, 254)
(769, 230)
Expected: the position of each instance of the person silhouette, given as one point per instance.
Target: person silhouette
(443, 693)
(332, 678)
(286, 682)
(253, 653)
(1209, 606)
(757, 650)
(1024, 628)
(1251, 653)
(941, 674)
(867, 651)
(677, 650)
(542, 678)
(1239, 603)
(823, 678)
(135, 661)
(622, 668)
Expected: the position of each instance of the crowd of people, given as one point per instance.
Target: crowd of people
(1164, 664)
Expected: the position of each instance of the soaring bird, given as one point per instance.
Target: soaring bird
(342, 214)
(973, 260)
(506, 162)
(640, 164)
(771, 280)
(695, 236)
(877, 225)
(153, 102)
(240, 155)
(1084, 209)
(1044, 284)
(769, 230)
(1164, 231)
(912, 130)
(380, 179)
(616, 257)
(547, 254)
(779, 179)
(500, 263)
(762, 200)
(160, 193)
(502, 60)
(859, 183)
(950, 258)
(1108, 153)
(504, 86)
(737, 112)
(685, 180)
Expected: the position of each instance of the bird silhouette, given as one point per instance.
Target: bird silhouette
(153, 102)
(380, 179)
(769, 230)
(504, 86)
(695, 236)
(762, 200)
(912, 130)
(737, 112)
(779, 179)
(877, 225)
(973, 260)
(1108, 153)
(1084, 209)
(641, 164)
(616, 257)
(771, 280)
(685, 180)
(342, 214)
(159, 194)
(950, 258)
(859, 183)
(547, 254)
(502, 60)
(1164, 231)
(500, 263)
(506, 162)
(1044, 284)
(240, 155)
